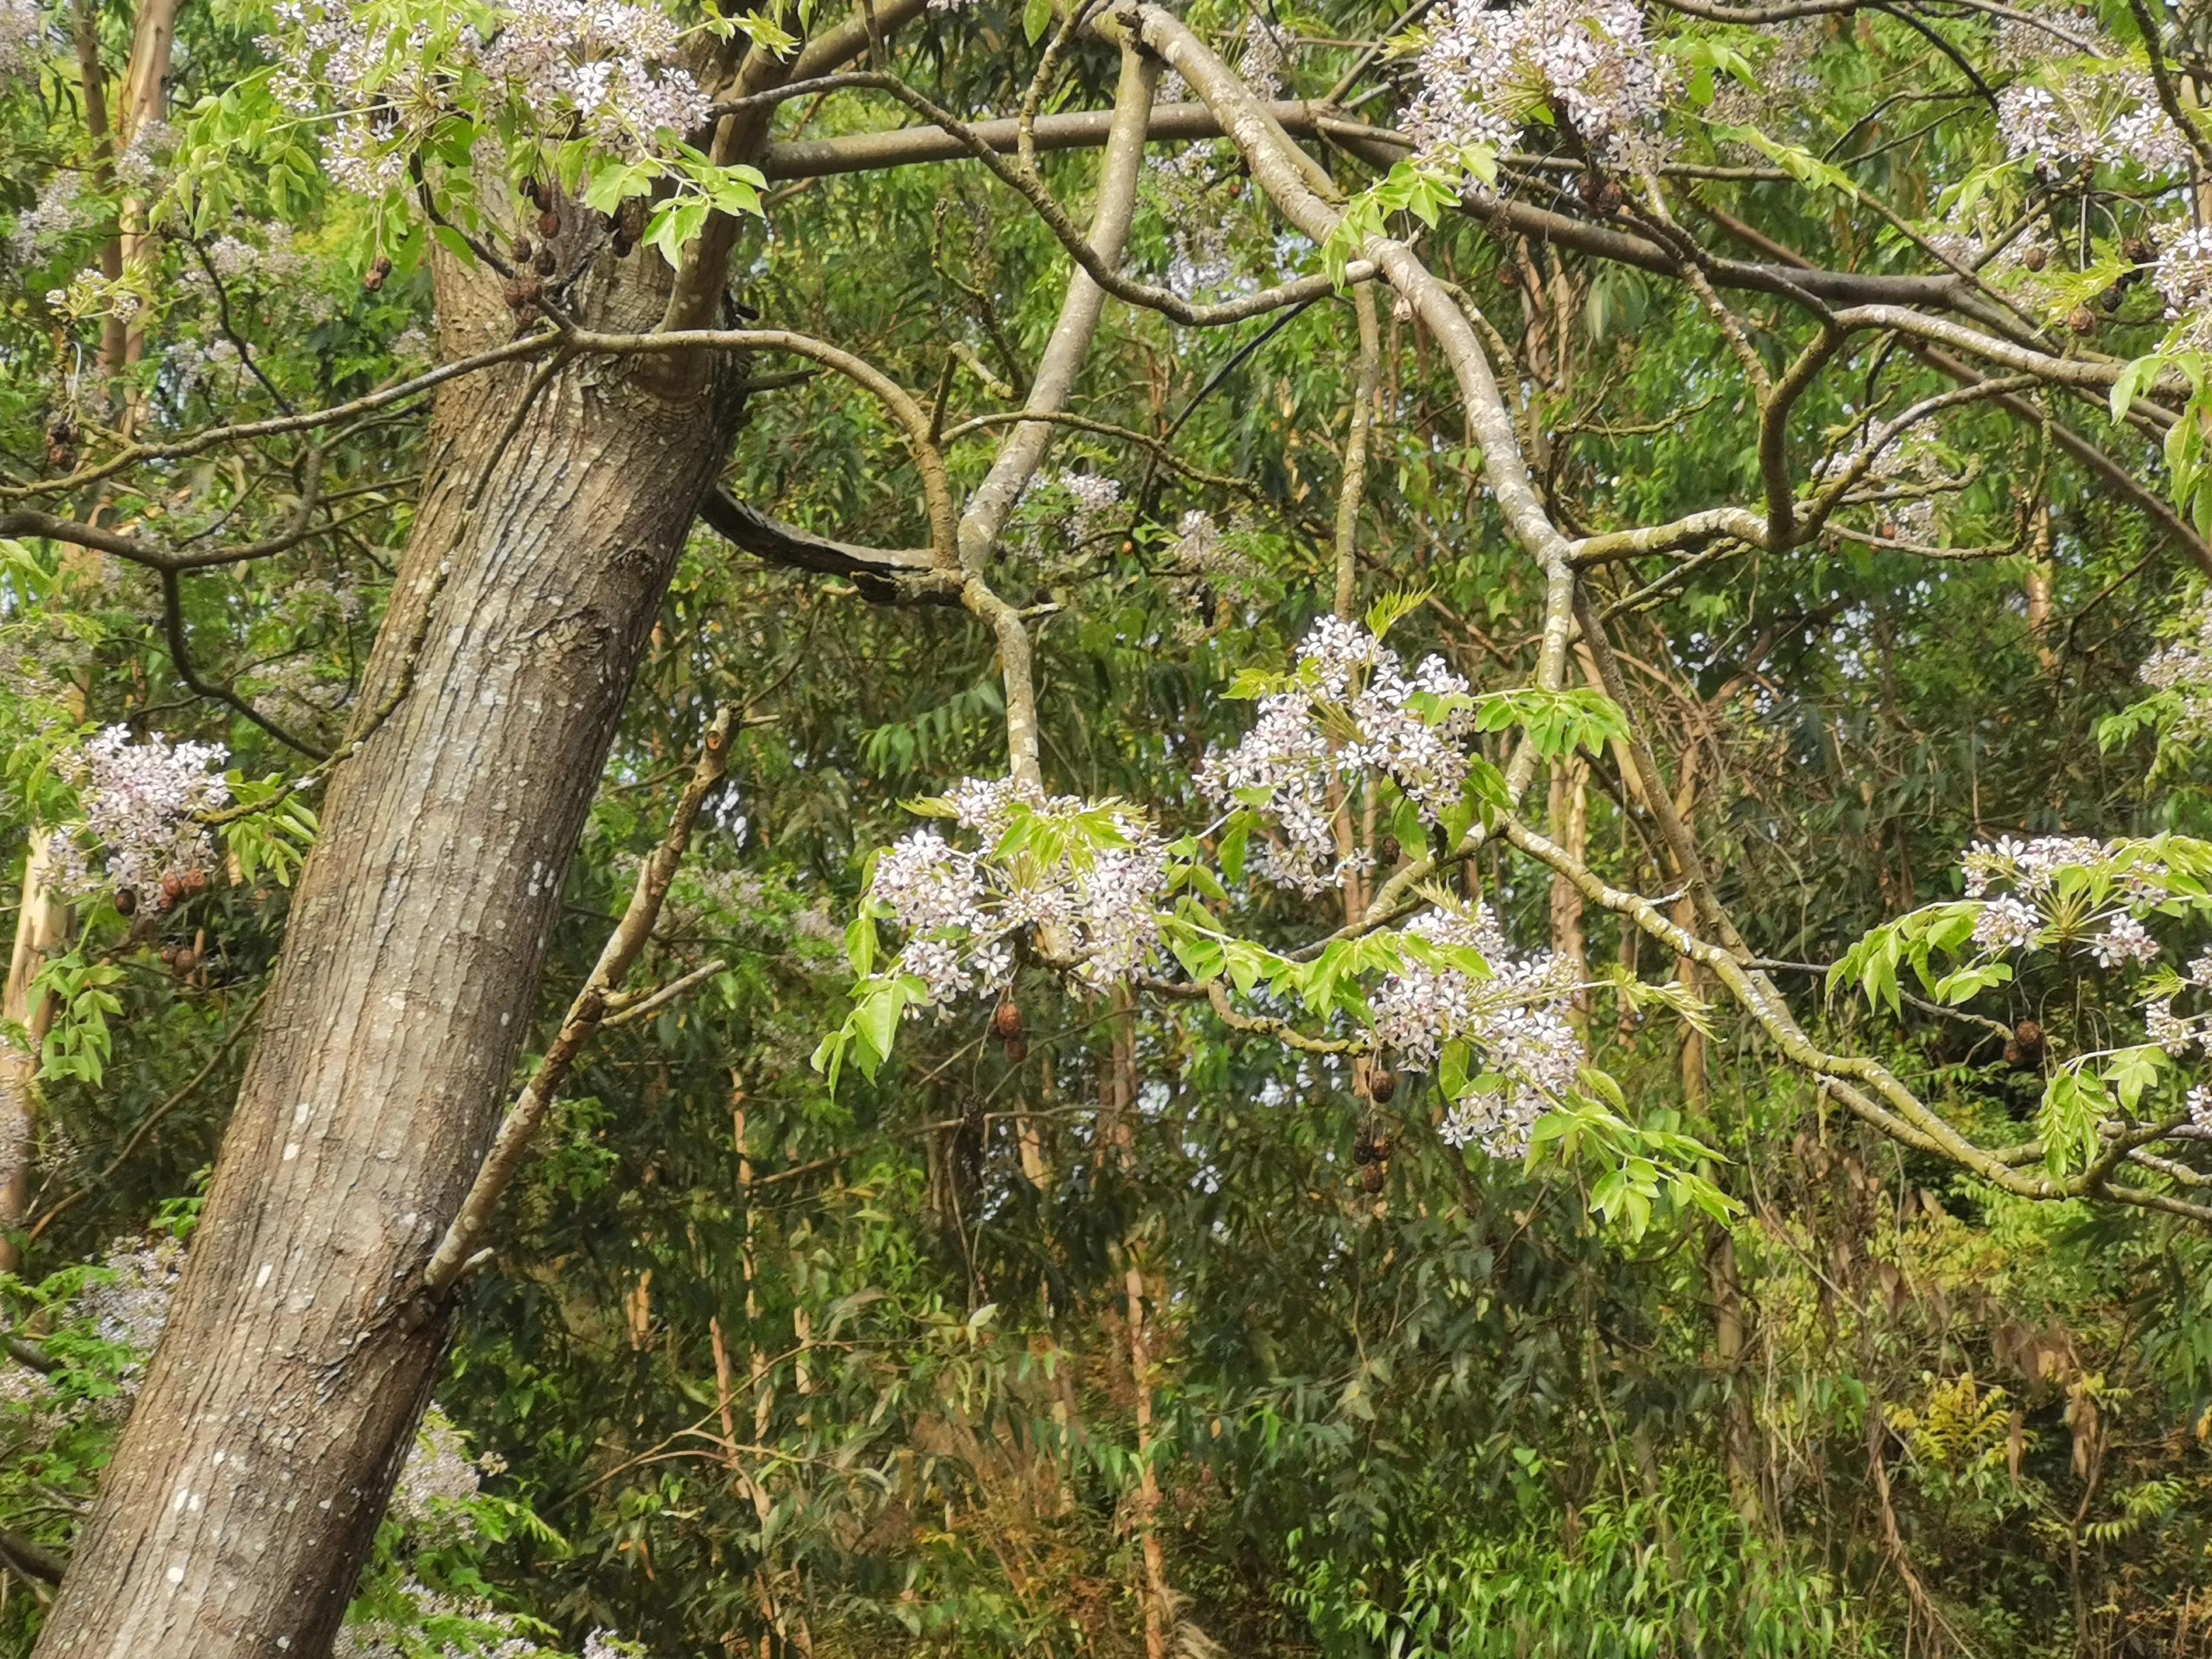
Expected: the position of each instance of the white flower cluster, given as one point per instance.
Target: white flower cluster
(59, 210)
(22, 34)
(1096, 496)
(491, 1634)
(2091, 118)
(147, 156)
(2199, 1104)
(2184, 278)
(132, 1307)
(602, 66)
(1485, 73)
(91, 294)
(140, 800)
(2178, 1033)
(1262, 66)
(1094, 902)
(608, 62)
(1347, 718)
(2019, 920)
(2184, 668)
(1516, 1021)
(440, 1476)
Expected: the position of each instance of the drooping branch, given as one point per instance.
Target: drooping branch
(1867, 1087)
(173, 624)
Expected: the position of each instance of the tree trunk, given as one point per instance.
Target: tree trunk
(41, 931)
(250, 1480)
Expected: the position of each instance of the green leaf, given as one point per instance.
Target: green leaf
(455, 244)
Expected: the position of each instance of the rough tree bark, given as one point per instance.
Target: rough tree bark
(249, 1481)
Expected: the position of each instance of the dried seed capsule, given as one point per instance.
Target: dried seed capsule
(62, 457)
(2081, 320)
(1017, 1049)
(1381, 1084)
(2027, 1046)
(186, 959)
(2035, 258)
(535, 189)
(126, 901)
(549, 224)
(1381, 1149)
(173, 887)
(1363, 1147)
(1006, 1021)
(1372, 1180)
(196, 881)
(546, 263)
(2138, 250)
(525, 250)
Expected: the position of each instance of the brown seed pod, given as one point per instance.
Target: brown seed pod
(2081, 320)
(186, 959)
(374, 281)
(1006, 1021)
(196, 881)
(2027, 1047)
(549, 224)
(1381, 1149)
(525, 250)
(546, 263)
(2138, 250)
(1372, 1178)
(1017, 1049)
(62, 457)
(2035, 258)
(173, 887)
(1363, 1147)
(169, 954)
(126, 901)
(523, 289)
(1381, 1084)
(535, 189)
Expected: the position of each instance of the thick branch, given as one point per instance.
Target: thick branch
(885, 576)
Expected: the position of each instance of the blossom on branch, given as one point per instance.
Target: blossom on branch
(142, 804)
(1516, 1022)
(1485, 74)
(1081, 879)
(1350, 713)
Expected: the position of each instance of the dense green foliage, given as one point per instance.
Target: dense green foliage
(752, 1351)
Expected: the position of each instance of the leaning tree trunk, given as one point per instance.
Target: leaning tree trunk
(251, 1475)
